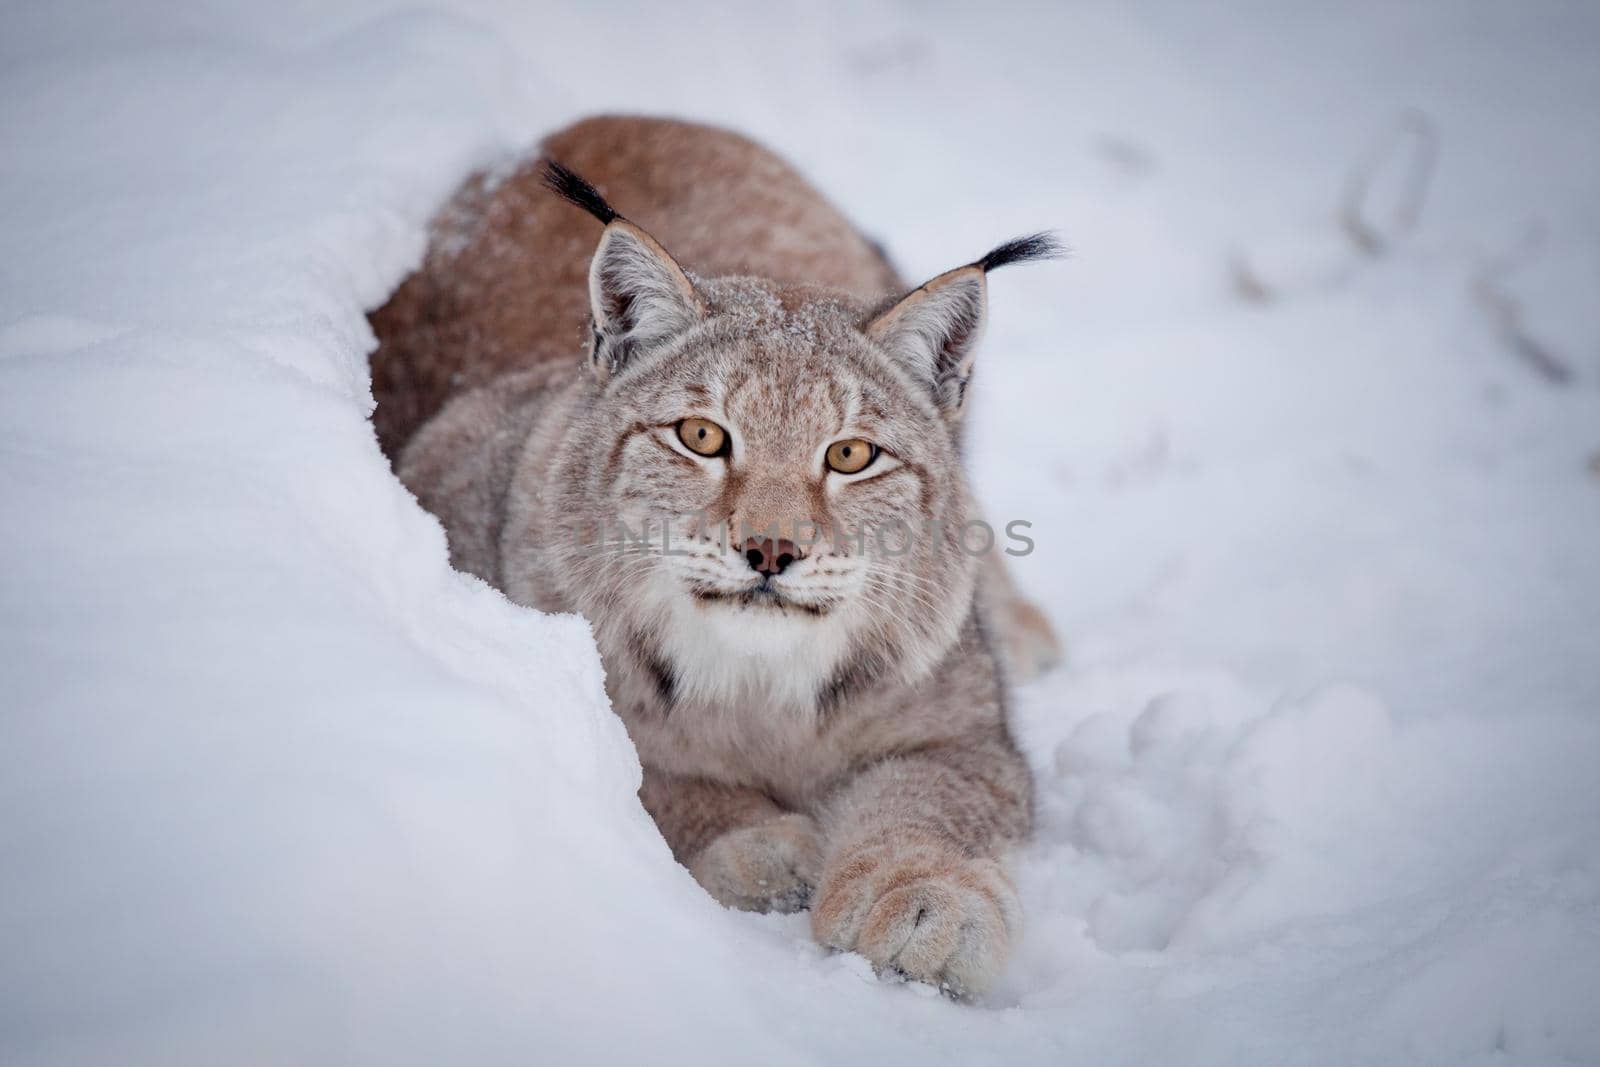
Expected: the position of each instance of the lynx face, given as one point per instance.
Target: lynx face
(803, 499)
(792, 458)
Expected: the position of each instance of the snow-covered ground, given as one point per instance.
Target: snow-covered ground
(1320, 785)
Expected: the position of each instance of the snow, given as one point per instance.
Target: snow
(1319, 785)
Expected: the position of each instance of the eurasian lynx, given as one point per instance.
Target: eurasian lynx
(752, 488)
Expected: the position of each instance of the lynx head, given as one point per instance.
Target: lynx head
(792, 457)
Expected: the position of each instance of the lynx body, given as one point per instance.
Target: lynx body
(806, 654)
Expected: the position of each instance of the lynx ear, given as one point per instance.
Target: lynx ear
(933, 331)
(637, 292)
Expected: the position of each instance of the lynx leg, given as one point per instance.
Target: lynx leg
(743, 848)
(911, 879)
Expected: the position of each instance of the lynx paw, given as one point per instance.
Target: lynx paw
(921, 908)
(767, 867)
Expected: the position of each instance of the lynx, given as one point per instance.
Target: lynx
(733, 443)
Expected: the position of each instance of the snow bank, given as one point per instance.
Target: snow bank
(1319, 786)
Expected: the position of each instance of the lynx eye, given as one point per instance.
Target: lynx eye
(848, 457)
(702, 436)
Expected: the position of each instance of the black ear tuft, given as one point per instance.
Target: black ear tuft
(571, 187)
(1023, 249)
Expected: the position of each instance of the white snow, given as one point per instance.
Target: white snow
(1320, 785)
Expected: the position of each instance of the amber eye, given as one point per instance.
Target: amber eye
(850, 456)
(702, 436)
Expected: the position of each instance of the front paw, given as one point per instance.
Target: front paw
(916, 905)
(770, 866)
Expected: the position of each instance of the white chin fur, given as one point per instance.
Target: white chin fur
(724, 652)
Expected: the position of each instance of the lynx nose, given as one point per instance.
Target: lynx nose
(770, 557)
